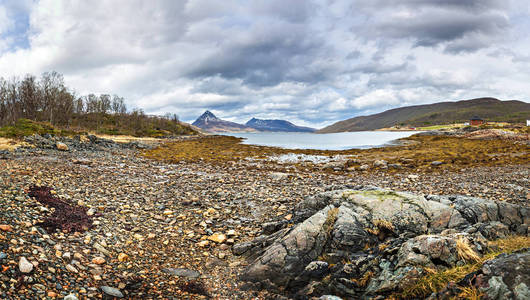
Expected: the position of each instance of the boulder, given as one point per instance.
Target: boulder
(61, 146)
(279, 175)
(366, 241)
(380, 164)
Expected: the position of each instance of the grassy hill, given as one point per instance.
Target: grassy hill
(146, 126)
(489, 109)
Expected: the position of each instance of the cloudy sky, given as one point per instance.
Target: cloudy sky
(311, 62)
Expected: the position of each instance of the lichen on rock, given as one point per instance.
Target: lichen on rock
(357, 243)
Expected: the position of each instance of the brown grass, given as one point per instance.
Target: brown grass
(383, 224)
(465, 251)
(470, 293)
(10, 144)
(455, 153)
(362, 282)
(436, 280)
(330, 220)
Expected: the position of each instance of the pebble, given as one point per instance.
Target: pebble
(101, 249)
(204, 199)
(61, 146)
(98, 260)
(112, 291)
(217, 237)
(181, 272)
(71, 268)
(24, 265)
(203, 243)
(5, 227)
(122, 257)
(70, 297)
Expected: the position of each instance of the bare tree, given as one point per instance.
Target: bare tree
(30, 98)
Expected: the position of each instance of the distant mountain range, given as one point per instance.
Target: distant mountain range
(276, 125)
(489, 109)
(209, 122)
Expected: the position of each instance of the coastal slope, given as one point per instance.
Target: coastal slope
(490, 109)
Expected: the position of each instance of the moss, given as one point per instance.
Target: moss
(25, 127)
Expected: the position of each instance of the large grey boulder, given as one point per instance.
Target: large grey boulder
(288, 256)
(367, 241)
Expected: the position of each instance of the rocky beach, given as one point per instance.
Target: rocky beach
(207, 217)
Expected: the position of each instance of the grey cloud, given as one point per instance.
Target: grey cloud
(218, 85)
(432, 29)
(458, 26)
(471, 5)
(264, 57)
(300, 60)
(378, 68)
(294, 11)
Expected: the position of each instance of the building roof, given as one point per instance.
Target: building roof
(475, 118)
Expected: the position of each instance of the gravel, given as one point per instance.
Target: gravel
(150, 216)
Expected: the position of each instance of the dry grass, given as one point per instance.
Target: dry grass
(10, 144)
(383, 224)
(465, 251)
(362, 282)
(435, 280)
(330, 220)
(419, 152)
(470, 293)
(128, 138)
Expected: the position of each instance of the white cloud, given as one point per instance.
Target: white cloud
(312, 62)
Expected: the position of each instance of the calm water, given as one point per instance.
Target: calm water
(328, 141)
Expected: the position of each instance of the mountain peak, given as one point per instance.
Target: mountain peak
(206, 117)
(276, 125)
(209, 122)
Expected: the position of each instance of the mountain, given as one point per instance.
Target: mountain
(276, 125)
(489, 109)
(209, 122)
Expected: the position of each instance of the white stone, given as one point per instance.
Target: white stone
(24, 265)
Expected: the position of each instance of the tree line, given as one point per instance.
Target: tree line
(47, 99)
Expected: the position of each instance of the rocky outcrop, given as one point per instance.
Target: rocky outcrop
(78, 143)
(367, 241)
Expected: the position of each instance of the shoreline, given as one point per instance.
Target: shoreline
(187, 213)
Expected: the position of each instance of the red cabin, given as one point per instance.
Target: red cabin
(475, 121)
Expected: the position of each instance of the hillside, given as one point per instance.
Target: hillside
(489, 109)
(209, 122)
(276, 126)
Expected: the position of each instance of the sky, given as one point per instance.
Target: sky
(310, 62)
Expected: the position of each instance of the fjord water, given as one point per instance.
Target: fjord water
(328, 141)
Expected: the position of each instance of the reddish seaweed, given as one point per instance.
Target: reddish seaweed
(194, 287)
(67, 216)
